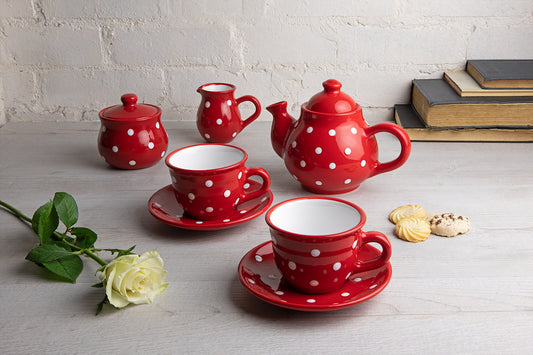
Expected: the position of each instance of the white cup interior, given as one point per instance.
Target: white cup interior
(217, 87)
(205, 157)
(315, 217)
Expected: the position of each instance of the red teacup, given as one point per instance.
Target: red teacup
(316, 242)
(210, 180)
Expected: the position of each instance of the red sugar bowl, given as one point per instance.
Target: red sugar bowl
(131, 135)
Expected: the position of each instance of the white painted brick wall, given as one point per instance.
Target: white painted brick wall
(68, 59)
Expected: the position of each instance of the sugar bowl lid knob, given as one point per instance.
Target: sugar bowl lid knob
(129, 100)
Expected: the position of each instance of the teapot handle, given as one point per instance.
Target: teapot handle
(405, 143)
(257, 105)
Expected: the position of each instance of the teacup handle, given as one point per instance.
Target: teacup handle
(405, 143)
(382, 259)
(247, 196)
(257, 105)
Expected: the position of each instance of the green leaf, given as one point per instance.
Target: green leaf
(125, 252)
(98, 285)
(66, 208)
(68, 267)
(47, 253)
(101, 305)
(45, 221)
(85, 238)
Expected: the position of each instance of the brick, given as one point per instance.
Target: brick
(212, 8)
(69, 8)
(342, 8)
(134, 9)
(53, 46)
(408, 45)
(501, 43)
(15, 8)
(462, 8)
(285, 44)
(19, 87)
(88, 89)
(173, 46)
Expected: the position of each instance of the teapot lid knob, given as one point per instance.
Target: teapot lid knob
(332, 85)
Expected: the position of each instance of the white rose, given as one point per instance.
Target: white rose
(134, 279)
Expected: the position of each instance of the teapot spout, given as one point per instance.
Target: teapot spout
(282, 126)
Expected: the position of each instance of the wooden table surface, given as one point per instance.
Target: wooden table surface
(468, 294)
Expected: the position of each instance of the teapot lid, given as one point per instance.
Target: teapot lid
(332, 99)
(130, 110)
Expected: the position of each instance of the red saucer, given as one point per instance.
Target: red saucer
(259, 274)
(164, 206)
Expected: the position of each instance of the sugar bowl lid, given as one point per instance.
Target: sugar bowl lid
(130, 110)
(331, 100)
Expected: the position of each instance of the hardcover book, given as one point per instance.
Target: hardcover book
(465, 85)
(440, 106)
(511, 73)
(406, 117)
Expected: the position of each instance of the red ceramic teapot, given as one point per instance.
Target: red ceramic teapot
(331, 149)
(131, 135)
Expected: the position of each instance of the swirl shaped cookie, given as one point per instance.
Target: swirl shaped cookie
(413, 229)
(448, 224)
(405, 212)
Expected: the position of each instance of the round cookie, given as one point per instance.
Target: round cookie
(448, 224)
(406, 211)
(413, 229)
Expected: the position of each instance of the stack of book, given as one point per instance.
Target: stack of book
(491, 101)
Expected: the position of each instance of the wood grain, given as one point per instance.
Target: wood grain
(468, 294)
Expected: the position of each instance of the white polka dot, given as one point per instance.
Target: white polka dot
(227, 193)
(363, 163)
(318, 150)
(207, 104)
(162, 153)
(114, 149)
(209, 209)
(357, 279)
(226, 220)
(315, 252)
(332, 166)
(132, 162)
(151, 145)
(130, 132)
(251, 281)
(207, 135)
(319, 183)
(354, 244)
(347, 151)
(302, 163)
(373, 286)
(313, 283)
(240, 175)
(345, 294)
(157, 125)
(337, 266)
(219, 121)
(353, 130)
(209, 183)
(191, 196)
(332, 132)
(292, 265)
(309, 129)
(199, 222)
(246, 186)
(347, 181)
(310, 300)
(228, 102)
(336, 279)
(294, 144)
(279, 293)
(234, 134)
(243, 212)
(258, 258)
